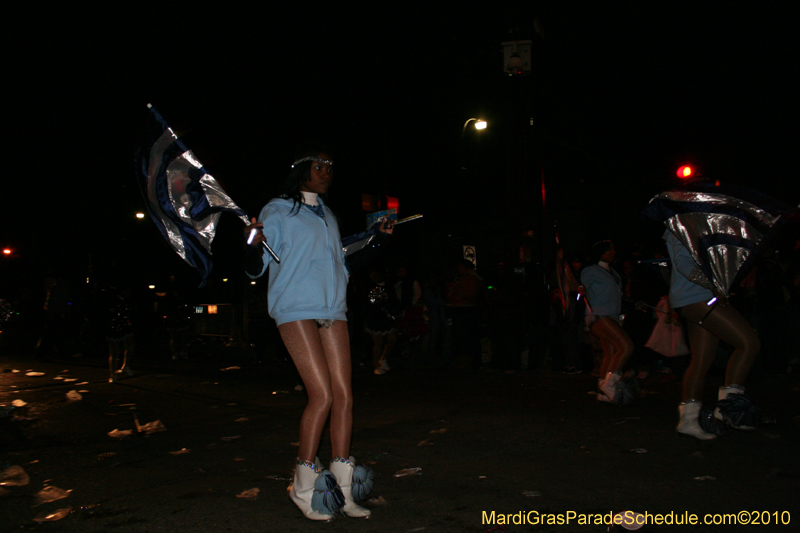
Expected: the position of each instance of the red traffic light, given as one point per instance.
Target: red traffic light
(685, 172)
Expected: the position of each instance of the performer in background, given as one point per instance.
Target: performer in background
(709, 319)
(120, 333)
(307, 293)
(603, 288)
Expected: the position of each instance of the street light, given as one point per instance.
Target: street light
(480, 124)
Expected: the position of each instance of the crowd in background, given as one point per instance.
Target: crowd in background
(410, 315)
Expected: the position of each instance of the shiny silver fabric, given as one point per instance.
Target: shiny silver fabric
(723, 260)
(720, 199)
(177, 180)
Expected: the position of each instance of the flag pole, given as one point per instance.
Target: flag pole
(271, 252)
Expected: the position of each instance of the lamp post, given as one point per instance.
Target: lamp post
(480, 124)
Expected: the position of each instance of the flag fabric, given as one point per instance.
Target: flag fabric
(724, 228)
(183, 199)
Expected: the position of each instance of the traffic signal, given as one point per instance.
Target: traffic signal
(685, 172)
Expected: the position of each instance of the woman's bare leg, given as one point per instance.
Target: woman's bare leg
(703, 348)
(617, 345)
(304, 344)
(722, 323)
(336, 343)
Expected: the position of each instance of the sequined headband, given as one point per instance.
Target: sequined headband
(317, 159)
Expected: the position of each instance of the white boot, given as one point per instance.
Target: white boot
(608, 386)
(301, 491)
(343, 469)
(689, 423)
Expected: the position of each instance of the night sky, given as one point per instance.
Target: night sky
(619, 97)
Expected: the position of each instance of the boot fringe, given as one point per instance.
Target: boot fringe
(363, 480)
(328, 498)
(739, 411)
(709, 423)
(627, 390)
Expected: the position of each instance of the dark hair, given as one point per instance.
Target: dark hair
(301, 173)
(597, 251)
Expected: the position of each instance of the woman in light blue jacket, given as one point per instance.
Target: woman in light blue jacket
(307, 299)
(709, 319)
(603, 288)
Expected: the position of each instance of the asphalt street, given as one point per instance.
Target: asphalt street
(452, 451)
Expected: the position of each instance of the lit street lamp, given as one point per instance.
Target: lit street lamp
(480, 124)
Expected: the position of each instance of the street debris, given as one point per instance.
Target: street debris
(278, 478)
(151, 427)
(250, 494)
(14, 476)
(51, 494)
(74, 395)
(439, 431)
(425, 442)
(242, 419)
(638, 450)
(118, 434)
(230, 368)
(226, 439)
(705, 478)
(408, 472)
(52, 517)
(34, 374)
(181, 451)
(378, 501)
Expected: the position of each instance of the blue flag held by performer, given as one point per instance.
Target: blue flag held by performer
(724, 228)
(183, 199)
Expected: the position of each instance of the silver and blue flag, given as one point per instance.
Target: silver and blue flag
(724, 228)
(183, 199)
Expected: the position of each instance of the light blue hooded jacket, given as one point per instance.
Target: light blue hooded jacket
(682, 291)
(310, 282)
(603, 290)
